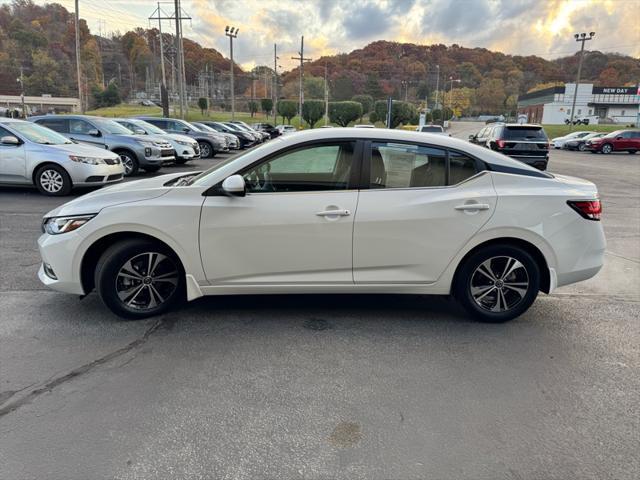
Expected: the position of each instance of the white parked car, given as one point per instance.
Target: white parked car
(364, 125)
(285, 129)
(34, 155)
(340, 210)
(437, 129)
(559, 142)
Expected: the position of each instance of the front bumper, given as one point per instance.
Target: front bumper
(83, 174)
(57, 251)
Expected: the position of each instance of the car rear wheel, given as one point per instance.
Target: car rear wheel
(498, 283)
(632, 152)
(139, 278)
(582, 147)
(206, 150)
(607, 148)
(53, 180)
(129, 162)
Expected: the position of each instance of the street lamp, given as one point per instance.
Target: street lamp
(580, 37)
(232, 33)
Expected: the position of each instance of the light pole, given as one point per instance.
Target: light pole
(580, 37)
(78, 70)
(232, 33)
(451, 79)
(437, 86)
(20, 80)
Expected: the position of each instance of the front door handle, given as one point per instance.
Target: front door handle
(334, 213)
(472, 207)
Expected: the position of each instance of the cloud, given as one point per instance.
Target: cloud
(366, 21)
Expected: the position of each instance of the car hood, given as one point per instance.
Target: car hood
(82, 149)
(118, 194)
(182, 138)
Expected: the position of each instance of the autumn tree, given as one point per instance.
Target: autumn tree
(490, 96)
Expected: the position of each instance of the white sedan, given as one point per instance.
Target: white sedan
(559, 142)
(340, 210)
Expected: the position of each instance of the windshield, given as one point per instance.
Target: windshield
(37, 134)
(191, 126)
(204, 128)
(233, 127)
(614, 134)
(149, 128)
(110, 126)
(524, 133)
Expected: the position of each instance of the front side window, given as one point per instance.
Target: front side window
(305, 169)
(80, 127)
(396, 165)
(163, 124)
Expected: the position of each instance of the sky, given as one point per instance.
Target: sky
(524, 27)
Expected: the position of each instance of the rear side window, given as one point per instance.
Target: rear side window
(523, 133)
(158, 123)
(60, 125)
(461, 167)
(396, 165)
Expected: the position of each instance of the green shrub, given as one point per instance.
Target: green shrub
(343, 113)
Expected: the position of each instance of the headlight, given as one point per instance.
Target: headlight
(58, 225)
(89, 160)
(182, 142)
(146, 143)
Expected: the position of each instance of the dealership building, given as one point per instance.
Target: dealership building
(552, 106)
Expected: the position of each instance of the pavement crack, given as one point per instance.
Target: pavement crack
(49, 384)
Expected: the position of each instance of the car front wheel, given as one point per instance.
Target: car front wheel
(582, 147)
(139, 278)
(206, 151)
(607, 148)
(498, 283)
(129, 162)
(53, 180)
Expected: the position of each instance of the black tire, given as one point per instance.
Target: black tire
(607, 148)
(129, 161)
(152, 168)
(632, 152)
(206, 150)
(517, 299)
(181, 161)
(53, 180)
(582, 147)
(132, 295)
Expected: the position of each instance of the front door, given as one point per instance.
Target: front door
(12, 160)
(422, 205)
(294, 225)
(79, 130)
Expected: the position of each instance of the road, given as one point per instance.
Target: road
(400, 387)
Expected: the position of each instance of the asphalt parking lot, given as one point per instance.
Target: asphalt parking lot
(323, 387)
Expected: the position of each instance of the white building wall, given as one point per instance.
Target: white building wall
(559, 110)
(624, 114)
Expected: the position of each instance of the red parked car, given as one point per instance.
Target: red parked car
(618, 141)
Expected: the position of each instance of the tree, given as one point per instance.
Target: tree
(108, 97)
(343, 113)
(312, 111)
(490, 95)
(313, 87)
(366, 101)
(203, 104)
(287, 109)
(401, 112)
(252, 105)
(342, 88)
(266, 104)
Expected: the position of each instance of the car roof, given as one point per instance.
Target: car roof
(11, 120)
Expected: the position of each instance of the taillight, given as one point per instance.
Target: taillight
(501, 143)
(590, 209)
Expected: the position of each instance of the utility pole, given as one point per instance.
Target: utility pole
(21, 80)
(326, 96)
(179, 57)
(232, 32)
(580, 37)
(78, 70)
(164, 97)
(302, 60)
(451, 79)
(437, 86)
(274, 90)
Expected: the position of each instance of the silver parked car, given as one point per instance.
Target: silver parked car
(232, 140)
(186, 148)
(35, 155)
(149, 153)
(210, 142)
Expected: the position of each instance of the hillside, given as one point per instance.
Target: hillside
(40, 39)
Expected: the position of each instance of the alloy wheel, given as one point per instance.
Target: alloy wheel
(51, 181)
(127, 162)
(499, 284)
(582, 147)
(607, 148)
(205, 150)
(147, 280)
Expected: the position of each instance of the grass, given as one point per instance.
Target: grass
(554, 131)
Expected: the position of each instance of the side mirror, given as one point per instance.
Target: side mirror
(234, 185)
(472, 137)
(619, 137)
(139, 131)
(10, 140)
(186, 129)
(94, 132)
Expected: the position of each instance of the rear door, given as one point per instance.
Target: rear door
(418, 207)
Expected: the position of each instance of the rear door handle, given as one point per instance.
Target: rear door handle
(334, 213)
(473, 207)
